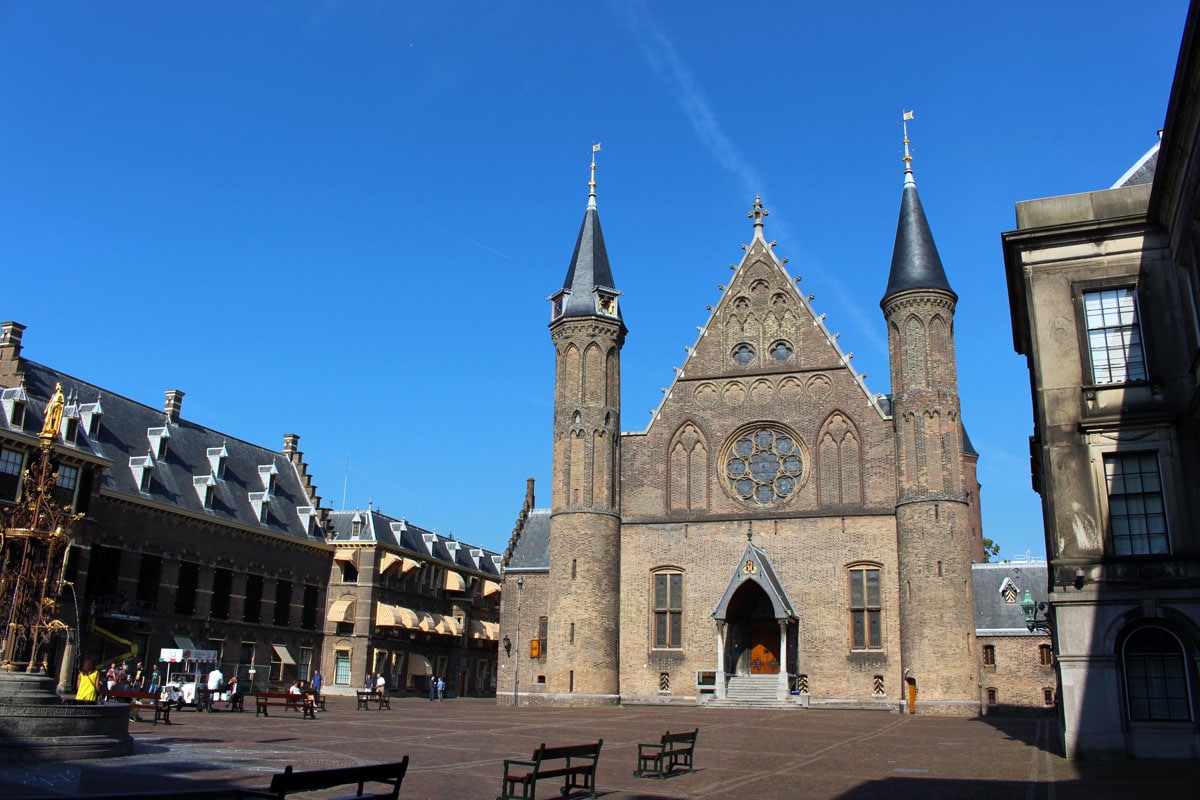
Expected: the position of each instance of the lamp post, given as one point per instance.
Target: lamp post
(517, 660)
(1031, 610)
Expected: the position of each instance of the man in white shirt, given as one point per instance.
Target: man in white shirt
(380, 685)
(216, 679)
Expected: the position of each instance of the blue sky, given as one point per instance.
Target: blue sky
(343, 220)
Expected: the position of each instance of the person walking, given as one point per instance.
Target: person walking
(317, 683)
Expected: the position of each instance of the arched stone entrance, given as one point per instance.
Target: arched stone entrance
(757, 629)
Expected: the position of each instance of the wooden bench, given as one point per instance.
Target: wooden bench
(288, 782)
(140, 700)
(292, 702)
(365, 698)
(674, 750)
(573, 763)
(203, 698)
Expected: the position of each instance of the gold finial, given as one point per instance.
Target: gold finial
(908, 173)
(54, 412)
(592, 182)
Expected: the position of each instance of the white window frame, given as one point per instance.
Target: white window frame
(1106, 321)
(1126, 442)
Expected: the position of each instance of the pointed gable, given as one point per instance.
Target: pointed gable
(755, 565)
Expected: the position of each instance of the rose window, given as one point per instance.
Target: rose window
(764, 465)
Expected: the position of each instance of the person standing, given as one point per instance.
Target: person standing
(380, 684)
(87, 688)
(433, 688)
(441, 688)
(317, 683)
(155, 680)
(216, 682)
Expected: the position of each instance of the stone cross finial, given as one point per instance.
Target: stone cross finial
(758, 212)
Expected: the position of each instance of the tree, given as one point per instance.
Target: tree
(990, 549)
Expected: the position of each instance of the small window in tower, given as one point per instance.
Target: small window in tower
(743, 354)
(781, 352)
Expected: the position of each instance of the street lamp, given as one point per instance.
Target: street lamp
(517, 660)
(1031, 610)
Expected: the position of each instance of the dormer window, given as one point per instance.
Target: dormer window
(70, 432)
(308, 518)
(429, 539)
(205, 486)
(606, 304)
(267, 473)
(14, 406)
(159, 438)
(476, 554)
(217, 456)
(142, 467)
(557, 304)
(356, 525)
(90, 415)
(1008, 591)
(261, 502)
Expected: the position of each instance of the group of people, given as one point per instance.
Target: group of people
(94, 684)
(437, 688)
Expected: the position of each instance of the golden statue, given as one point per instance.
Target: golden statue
(54, 412)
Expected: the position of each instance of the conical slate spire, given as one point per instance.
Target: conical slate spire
(915, 260)
(589, 268)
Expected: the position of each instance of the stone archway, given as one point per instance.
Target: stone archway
(752, 644)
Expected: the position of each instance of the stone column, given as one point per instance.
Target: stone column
(782, 687)
(66, 670)
(720, 659)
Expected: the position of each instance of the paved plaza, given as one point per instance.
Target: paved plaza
(456, 748)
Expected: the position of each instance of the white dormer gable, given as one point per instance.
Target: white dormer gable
(497, 561)
(90, 414)
(216, 459)
(453, 546)
(15, 401)
(205, 486)
(476, 554)
(1009, 591)
(308, 518)
(159, 437)
(142, 467)
(430, 539)
(267, 473)
(398, 529)
(261, 502)
(356, 525)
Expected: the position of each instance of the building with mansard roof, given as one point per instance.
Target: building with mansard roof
(778, 533)
(410, 604)
(191, 539)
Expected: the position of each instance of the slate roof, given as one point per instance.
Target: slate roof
(915, 260)
(532, 547)
(123, 434)
(993, 616)
(589, 268)
(968, 448)
(765, 576)
(1142, 171)
(400, 533)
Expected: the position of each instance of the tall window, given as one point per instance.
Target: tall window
(104, 570)
(222, 588)
(305, 664)
(149, 578)
(1156, 682)
(543, 629)
(283, 602)
(866, 627)
(308, 613)
(341, 667)
(64, 487)
(668, 609)
(1136, 511)
(989, 655)
(1046, 655)
(1114, 337)
(11, 462)
(185, 591)
(252, 610)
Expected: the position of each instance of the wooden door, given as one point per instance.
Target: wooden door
(764, 648)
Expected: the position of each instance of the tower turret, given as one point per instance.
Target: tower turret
(585, 526)
(933, 529)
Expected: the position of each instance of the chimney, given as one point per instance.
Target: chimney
(10, 347)
(529, 493)
(173, 405)
(291, 443)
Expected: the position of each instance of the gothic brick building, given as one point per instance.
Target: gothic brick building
(777, 531)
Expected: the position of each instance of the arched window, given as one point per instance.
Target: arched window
(1156, 679)
(866, 608)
